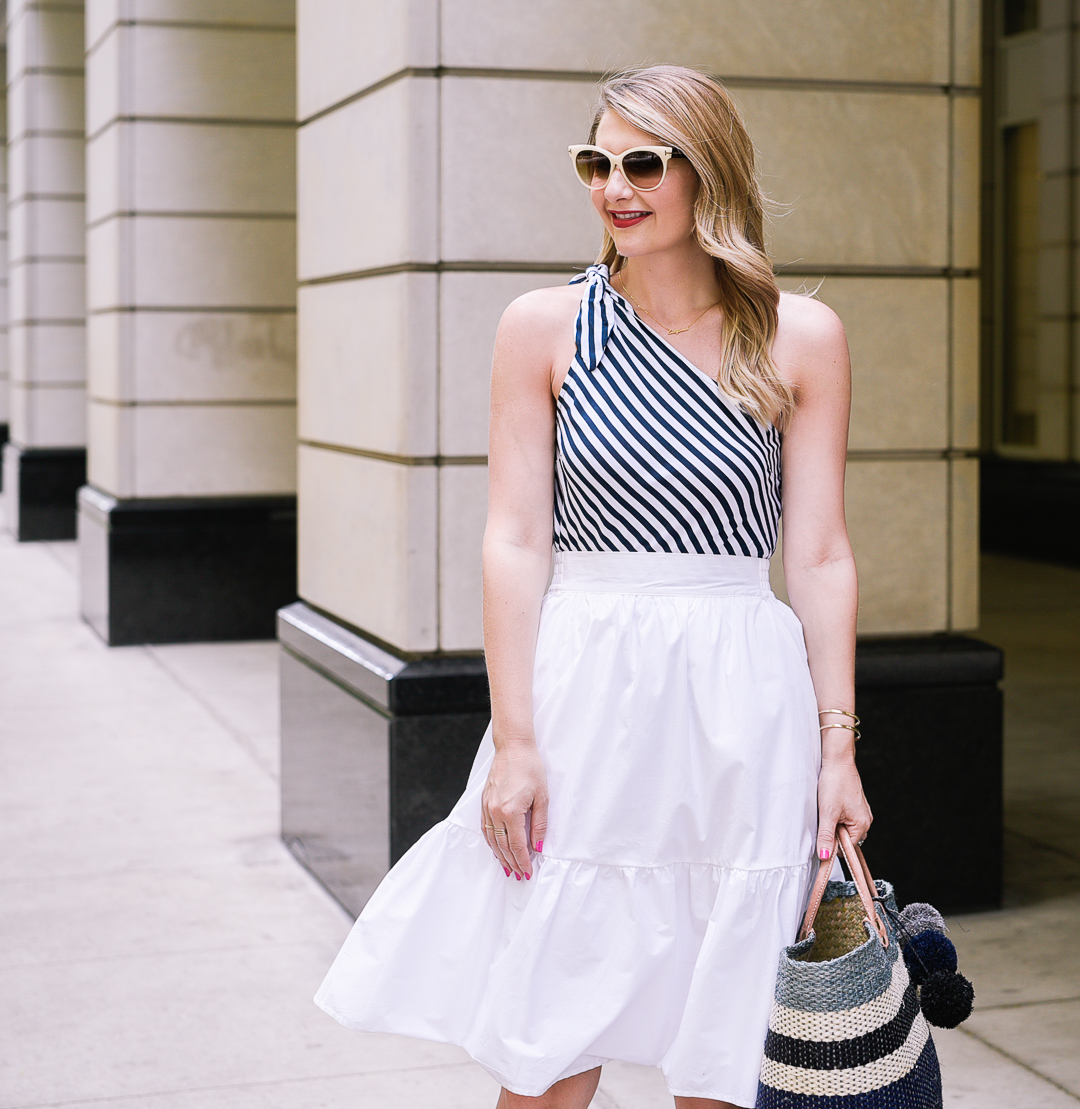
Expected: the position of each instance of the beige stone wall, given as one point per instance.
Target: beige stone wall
(434, 188)
(5, 405)
(46, 253)
(191, 247)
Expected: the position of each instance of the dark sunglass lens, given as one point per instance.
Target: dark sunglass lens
(643, 168)
(592, 167)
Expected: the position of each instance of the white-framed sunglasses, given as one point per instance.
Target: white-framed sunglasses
(643, 167)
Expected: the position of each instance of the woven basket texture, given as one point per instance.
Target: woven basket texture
(838, 929)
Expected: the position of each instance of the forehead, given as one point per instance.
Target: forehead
(616, 135)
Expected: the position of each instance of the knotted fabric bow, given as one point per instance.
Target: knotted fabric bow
(596, 316)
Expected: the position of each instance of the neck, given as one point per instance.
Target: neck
(673, 283)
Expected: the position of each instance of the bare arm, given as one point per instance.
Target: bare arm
(517, 555)
(818, 564)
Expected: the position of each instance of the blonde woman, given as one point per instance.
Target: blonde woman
(671, 747)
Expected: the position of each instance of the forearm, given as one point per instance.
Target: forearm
(825, 598)
(515, 576)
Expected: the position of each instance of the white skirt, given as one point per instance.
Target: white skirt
(677, 722)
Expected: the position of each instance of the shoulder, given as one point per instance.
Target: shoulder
(807, 323)
(810, 338)
(541, 313)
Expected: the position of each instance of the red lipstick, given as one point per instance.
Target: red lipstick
(627, 218)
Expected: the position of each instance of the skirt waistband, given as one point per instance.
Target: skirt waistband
(660, 573)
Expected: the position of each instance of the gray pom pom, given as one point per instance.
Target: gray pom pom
(921, 917)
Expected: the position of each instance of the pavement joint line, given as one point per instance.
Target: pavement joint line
(131, 956)
(241, 740)
(1024, 1004)
(269, 1082)
(287, 861)
(1020, 1063)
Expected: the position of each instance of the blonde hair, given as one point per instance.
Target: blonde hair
(694, 112)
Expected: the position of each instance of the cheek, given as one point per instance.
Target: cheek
(596, 196)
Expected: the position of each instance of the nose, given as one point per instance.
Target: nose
(617, 187)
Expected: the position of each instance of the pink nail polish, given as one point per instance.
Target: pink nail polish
(823, 854)
(539, 845)
(517, 876)
(506, 871)
(528, 877)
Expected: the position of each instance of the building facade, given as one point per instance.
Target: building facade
(260, 315)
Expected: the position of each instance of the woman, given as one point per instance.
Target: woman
(666, 740)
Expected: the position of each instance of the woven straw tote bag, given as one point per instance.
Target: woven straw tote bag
(846, 1030)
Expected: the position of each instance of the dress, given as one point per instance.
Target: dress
(677, 722)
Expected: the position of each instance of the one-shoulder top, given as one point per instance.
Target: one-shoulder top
(650, 455)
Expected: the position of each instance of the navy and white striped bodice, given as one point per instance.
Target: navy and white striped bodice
(649, 455)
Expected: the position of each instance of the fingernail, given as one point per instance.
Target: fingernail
(517, 876)
(528, 877)
(539, 845)
(506, 871)
(823, 854)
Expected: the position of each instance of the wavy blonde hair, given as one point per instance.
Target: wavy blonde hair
(694, 112)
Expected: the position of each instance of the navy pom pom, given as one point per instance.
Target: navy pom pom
(921, 917)
(927, 953)
(946, 999)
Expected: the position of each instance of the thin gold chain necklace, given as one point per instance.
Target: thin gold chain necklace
(669, 330)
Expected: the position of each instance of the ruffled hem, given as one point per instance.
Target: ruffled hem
(585, 963)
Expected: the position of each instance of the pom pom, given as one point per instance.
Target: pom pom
(946, 999)
(921, 917)
(927, 953)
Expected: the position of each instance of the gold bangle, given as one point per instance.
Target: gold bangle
(841, 712)
(846, 727)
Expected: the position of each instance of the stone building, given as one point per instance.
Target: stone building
(250, 323)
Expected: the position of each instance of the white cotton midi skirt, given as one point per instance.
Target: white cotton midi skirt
(677, 722)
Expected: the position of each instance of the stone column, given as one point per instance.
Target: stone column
(45, 461)
(1031, 474)
(434, 188)
(5, 401)
(187, 526)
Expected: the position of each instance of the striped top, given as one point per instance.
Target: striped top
(649, 455)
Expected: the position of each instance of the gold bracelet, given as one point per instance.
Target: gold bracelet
(841, 712)
(846, 727)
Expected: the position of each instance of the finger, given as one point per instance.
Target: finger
(506, 860)
(494, 842)
(539, 823)
(826, 840)
(519, 849)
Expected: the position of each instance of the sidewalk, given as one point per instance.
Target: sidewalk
(162, 947)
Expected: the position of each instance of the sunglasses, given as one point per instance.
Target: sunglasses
(643, 167)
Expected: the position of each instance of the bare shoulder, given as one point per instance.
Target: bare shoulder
(810, 338)
(542, 313)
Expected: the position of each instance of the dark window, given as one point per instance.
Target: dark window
(1021, 15)
(1020, 366)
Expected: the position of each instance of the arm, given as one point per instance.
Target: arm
(517, 556)
(818, 564)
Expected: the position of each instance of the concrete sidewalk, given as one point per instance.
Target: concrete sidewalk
(162, 947)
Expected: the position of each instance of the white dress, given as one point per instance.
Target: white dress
(677, 723)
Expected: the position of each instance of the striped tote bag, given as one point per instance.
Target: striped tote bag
(846, 1030)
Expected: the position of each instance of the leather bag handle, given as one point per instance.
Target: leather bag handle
(860, 875)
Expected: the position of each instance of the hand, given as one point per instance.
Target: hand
(516, 785)
(840, 801)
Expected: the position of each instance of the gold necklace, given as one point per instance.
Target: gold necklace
(669, 330)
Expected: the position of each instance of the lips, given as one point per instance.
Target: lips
(627, 218)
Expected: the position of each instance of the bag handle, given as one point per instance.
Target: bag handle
(860, 875)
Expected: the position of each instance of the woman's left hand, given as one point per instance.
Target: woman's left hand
(840, 801)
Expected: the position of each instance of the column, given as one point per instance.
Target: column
(411, 243)
(187, 524)
(45, 461)
(1032, 469)
(5, 402)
